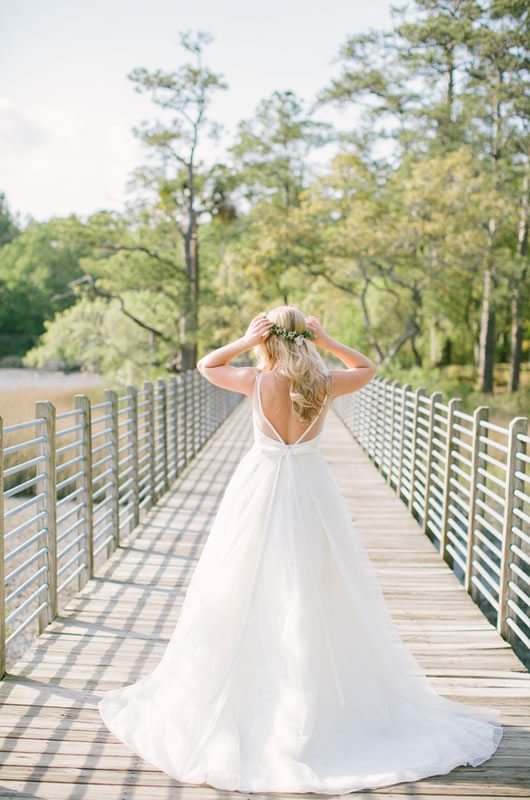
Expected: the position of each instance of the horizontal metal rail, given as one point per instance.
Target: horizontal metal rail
(466, 481)
(75, 483)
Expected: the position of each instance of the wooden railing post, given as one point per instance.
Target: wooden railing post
(112, 439)
(392, 429)
(173, 423)
(513, 484)
(370, 393)
(204, 418)
(162, 427)
(150, 425)
(209, 411)
(455, 403)
(385, 429)
(47, 468)
(480, 414)
(403, 406)
(132, 393)
(3, 659)
(195, 413)
(85, 451)
(436, 397)
(420, 391)
(185, 416)
(191, 414)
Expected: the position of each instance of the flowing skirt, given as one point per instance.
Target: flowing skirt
(284, 672)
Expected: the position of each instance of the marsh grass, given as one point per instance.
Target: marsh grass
(18, 394)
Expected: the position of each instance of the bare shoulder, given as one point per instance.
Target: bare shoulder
(345, 381)
(235, 379)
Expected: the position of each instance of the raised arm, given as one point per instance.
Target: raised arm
(214, 366)
(360, 369)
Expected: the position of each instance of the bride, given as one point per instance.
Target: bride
(284, 672)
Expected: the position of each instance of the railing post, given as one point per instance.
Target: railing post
(216, 405)
(132, 393)
(420, 391)
(173, 423)
(371, 394)
(355, 414)
(436, 397)
(360, 435)
(209, 410)
(480, 415)
(455, 403)
(513, 484)
(203, 418)
(3, 658)
(402, 433)
(185, 419)
(392, 430)
(150, 426)
(196, 412)
(47, 468)
(385, 429)
(112, 439)
(85, 451)
(162, 424)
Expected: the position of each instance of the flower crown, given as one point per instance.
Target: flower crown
(292, 336)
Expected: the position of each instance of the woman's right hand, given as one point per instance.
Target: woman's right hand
(314, 324)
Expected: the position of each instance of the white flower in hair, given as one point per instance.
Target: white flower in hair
(291, 336)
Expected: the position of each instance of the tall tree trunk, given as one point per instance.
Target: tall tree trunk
(487, 318)
(518, 289)
(435, 342)
(190, 316)
(487, 333)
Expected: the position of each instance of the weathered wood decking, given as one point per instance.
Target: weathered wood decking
(53, 743)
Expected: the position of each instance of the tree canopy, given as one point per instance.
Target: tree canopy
(410, 240)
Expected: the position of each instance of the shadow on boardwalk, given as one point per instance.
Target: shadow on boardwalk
(115, 630)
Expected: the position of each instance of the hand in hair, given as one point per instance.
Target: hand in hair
(258, 330)
(314, 324)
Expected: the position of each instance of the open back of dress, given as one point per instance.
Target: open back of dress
(265, 425)
(284, 672)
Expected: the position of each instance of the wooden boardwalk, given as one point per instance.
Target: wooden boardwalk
(54, 744)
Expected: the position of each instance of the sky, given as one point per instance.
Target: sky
(67, 108)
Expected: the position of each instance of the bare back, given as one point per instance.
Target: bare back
(274, 410)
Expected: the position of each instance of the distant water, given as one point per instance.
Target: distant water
(53, 380)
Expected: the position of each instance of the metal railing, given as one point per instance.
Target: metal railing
(76, 482)
(466, 481)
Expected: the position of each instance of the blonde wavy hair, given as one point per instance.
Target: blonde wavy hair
(302, 364)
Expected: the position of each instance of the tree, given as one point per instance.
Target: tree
(409, 238)
(183, 188)
(8, 225)
(271, 163)
(452, 74)
(497, 98)
(519, 291)
(35, 267)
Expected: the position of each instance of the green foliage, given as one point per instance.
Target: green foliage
(389, 242)
(94, 335)
(35, 269)
(460, 381)
(8, 226)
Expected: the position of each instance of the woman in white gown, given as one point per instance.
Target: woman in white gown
(284, 672)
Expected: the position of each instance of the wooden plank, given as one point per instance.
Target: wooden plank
(53, 743)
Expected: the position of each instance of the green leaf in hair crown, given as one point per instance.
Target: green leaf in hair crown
(292, 336)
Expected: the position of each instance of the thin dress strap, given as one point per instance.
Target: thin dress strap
(258, 384)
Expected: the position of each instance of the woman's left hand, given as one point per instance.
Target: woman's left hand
(258, 330)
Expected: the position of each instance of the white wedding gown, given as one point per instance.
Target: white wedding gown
(284, 672)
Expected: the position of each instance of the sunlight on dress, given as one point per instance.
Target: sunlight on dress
(284, 671)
